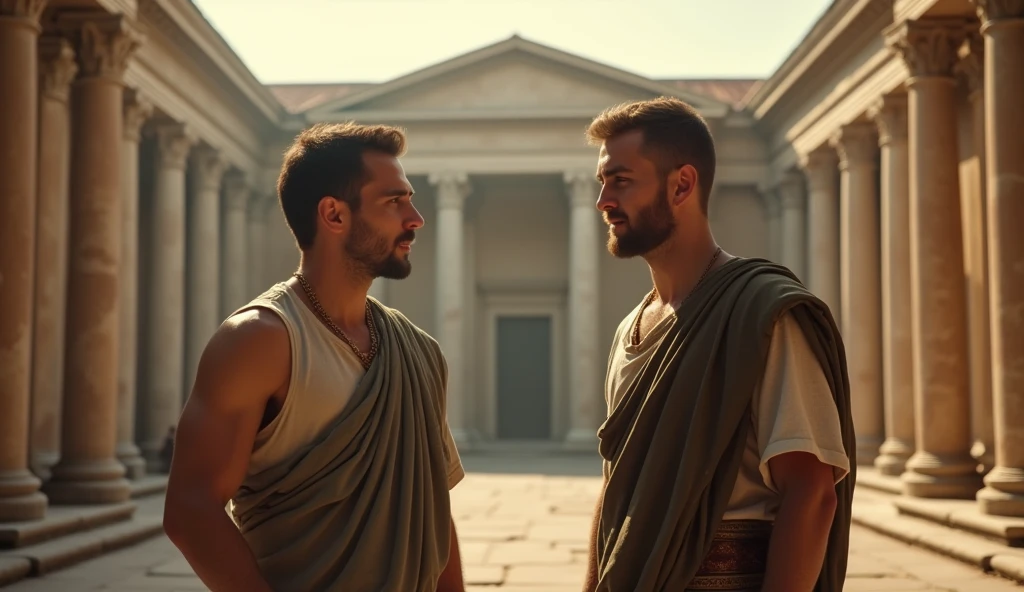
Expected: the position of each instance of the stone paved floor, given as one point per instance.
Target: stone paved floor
(523, 522)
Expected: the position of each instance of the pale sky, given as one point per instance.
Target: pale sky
(376, 40)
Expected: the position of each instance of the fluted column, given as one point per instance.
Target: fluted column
(259, 208)
(88, 470)
(793, 205)
(136, 111)
(821, 168)
(860, 281)
(1003, 28)
(165, 314)
(202, 267)
(452, 190)
(586, 401)
(19, 89)
(57, 70)
(773, 210)
(942, 465)
(972, 66)
(234, 276)
(890, 115)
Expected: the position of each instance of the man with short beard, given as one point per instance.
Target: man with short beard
(318, 414)
(728, 447)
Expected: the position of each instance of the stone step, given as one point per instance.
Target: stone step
(60, 521)
(881, 512)
(43, 558)
(149, 485)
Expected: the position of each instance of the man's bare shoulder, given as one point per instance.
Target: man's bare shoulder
(250, 352)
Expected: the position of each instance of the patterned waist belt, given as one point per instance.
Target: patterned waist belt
(737, 559)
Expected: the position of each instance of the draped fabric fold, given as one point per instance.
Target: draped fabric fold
(370, 498)
(675, 441)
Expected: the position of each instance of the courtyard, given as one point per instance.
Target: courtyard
(523, 520)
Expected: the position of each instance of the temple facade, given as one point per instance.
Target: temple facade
(881, 162)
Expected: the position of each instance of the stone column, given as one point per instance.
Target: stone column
(820, 166)
(890, 115)
(88, 470)
(259, 209)
(234, 289)
(773, 210)
(165, 314)
(793, 204)
(860, 281)
(57, 70)
(586, 401)
(136, 111)
(452, 190)
(972, 67)
(19, 86)
(1003, 28)
(203, 257)
(942, 465)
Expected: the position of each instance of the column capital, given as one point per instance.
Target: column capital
(174, 141)
(971, 64)
(928, 46)
(57, 67)
(582, 188)
(890, 115)
(105, 43)
(236, 190)
(209, 167)
(792, 193)
(820, 166)
(137, 109)
(997, 10)
(770, 197)
(856, 144)
(452, 188)
(26, 9)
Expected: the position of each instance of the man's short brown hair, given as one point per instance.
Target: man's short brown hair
(327, 160)
(674, 134)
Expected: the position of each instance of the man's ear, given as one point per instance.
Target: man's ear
(334, 214)
(685, 181)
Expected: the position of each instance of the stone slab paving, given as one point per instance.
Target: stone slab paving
(523, 523)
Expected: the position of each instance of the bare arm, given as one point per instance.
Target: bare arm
(590, 584)
(451, 578)
(244, 364)
(802, 525)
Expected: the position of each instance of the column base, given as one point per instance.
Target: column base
(984, 455)
(581, 440)
(867, 449)
(88, 482)
(20, 498)
(1004, 492)
(134, 465)
(41, 464)
(892, 458)
(931, 476)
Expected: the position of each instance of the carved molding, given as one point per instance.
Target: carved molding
(972, 62)
(30, 9)
(137, 110)
(996, 10)
(890, 116)
(928, 46)
(856, 144)
(583, 188)
(452, 189)
(174, 142)
(57, 68)
(105, 43)
(236, 190)
(209, 167)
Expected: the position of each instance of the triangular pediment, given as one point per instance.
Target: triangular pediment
(514, 77)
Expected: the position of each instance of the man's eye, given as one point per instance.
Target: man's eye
(621, 180)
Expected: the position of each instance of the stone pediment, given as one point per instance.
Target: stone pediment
(514, 78)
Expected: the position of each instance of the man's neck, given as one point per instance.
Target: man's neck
(340, 289)
(679, 264)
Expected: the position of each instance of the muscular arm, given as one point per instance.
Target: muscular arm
(451, 578)
(803, 522)
(244, 364)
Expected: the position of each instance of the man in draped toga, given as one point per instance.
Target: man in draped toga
(728, 447)
(318, 414)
